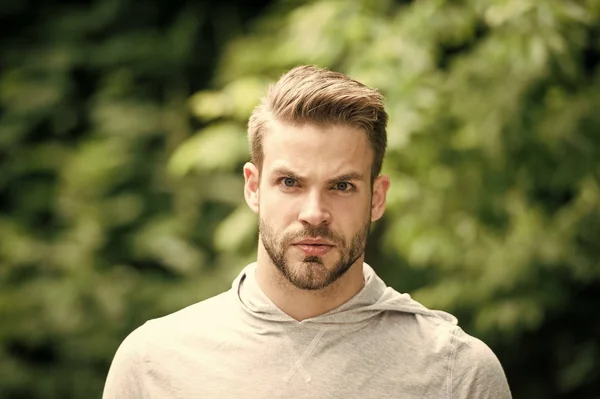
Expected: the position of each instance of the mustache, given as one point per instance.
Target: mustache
(314, 232)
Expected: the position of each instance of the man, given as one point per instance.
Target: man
(309, 319)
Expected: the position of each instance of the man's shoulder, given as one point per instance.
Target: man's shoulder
(470, 351)
(426, 328)
(439, 331)
(193, 318)
(473, 369)
(161, 340)
(470, 366)
(215, 306)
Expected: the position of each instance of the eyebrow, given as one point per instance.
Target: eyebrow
(287, 172)
(352, 176)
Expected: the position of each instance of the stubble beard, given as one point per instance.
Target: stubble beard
(311, 273)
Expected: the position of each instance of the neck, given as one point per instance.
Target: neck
(304, 304)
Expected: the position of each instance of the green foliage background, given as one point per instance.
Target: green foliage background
(122, 136)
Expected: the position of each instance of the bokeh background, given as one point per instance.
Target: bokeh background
(122, 136)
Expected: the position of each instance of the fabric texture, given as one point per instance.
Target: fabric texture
(380, 344)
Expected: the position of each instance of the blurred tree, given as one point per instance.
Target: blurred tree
(95, 237)
(494, 154)
(493, 150)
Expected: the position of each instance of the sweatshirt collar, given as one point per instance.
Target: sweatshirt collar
(374, 298)
(256, 302)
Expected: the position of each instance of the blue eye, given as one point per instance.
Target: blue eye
(342, 186)
(289, 182)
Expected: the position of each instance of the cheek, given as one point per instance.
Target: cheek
(352, 215)
(354, 207)
(276, 208)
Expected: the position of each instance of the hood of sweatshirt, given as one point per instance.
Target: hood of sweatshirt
(374, 298)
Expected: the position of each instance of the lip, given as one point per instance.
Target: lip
(314, 246)
(314, 250)
(314, 241)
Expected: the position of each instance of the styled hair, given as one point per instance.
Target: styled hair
(310, 95)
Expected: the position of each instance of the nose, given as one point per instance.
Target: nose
(314, 211)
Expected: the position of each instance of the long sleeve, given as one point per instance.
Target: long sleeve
(475, 371)
(125, 378)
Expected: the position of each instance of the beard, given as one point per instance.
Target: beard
(311, 273)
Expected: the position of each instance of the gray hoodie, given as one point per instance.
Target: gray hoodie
(380, 344)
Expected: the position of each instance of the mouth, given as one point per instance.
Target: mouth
(314, 247)
(314, 241)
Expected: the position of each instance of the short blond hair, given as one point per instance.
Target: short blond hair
(312, 95)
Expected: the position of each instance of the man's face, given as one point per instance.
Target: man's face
(315, 201)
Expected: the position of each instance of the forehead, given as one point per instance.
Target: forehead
(325, 150)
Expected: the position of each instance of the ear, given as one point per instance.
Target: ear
(380, 188)
(251, 186)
